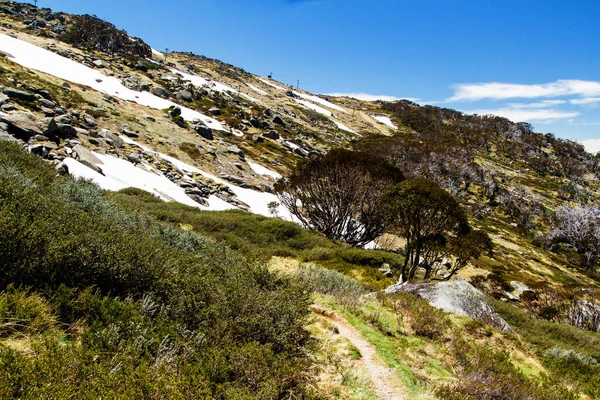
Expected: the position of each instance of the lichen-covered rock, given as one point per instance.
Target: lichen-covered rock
(458, 297)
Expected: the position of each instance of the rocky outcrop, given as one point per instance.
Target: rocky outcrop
(458, 297)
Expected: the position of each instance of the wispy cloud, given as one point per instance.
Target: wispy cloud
(371, 97)
(502, 91)
(524, 114)
(585, 101)
(540, 104)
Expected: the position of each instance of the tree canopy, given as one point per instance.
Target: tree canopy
(338, 194)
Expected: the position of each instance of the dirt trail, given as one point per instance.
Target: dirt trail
(385, 382)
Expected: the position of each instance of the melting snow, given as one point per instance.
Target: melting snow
(120, 174)
(198, 81)
(320, 101)
(315, 107)
(266, 82)
(258, 201)
(385, 120)
(344, 127)
(257, 90)
(46, 61)
(203, 82)
(325, 112)
(260, 170)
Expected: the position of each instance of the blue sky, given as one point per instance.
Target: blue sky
(530, 60)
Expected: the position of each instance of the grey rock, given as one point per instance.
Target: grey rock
(48, 112)
(235, 150)
(45, 94)
(87, 158)
(134, 158)
(255, 122)
(38, 149)
(116, 139)
(98, 63)
(129, 133)
(159, 91)
(50, 146)
(301, 152)
(184, 95)
(272, 135)
(3, 98)
(277, 120)
(459, 297)
(47, 103)
(150, 118)
(22, 125)
(258, 138)
(204, 131)
(64, 119)
(215, 111)
(66, 131)
(8, 107)
(175, 112)
(66, 85)
(89, 120)
(81, 131)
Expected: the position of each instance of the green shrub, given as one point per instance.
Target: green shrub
(146, 310)
(487, 374)
(22, 313)
(424, 319)
(329, 282)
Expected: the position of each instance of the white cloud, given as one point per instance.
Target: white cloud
(526, 115)
(591, 145)
(586, 100)
(371, 97)
(541, 104)
(499, 91)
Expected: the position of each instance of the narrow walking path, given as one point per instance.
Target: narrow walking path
(385, 382)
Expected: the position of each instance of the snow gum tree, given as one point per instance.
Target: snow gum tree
(434, 226)
(339, 194)
(578, 226)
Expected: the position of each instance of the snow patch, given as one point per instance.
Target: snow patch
(318, 100)
(315, 107)
(31, 56)
(260, 170)
(266, 82)
(257, 90)
(385, 120)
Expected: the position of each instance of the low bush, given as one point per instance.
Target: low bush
(146, 310)
(423, 319)
(484, 373)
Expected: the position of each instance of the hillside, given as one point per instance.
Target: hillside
(179, 273)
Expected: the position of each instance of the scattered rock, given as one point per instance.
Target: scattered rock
(87, 158)
(258, 138)
(277, 120)
(19, 94)
(235, 150)
(116, 139)
(129, 133)
(184, 95)
(271, 135)
(215, 111)
(204, 131)
(159, 91)
(22, 125)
